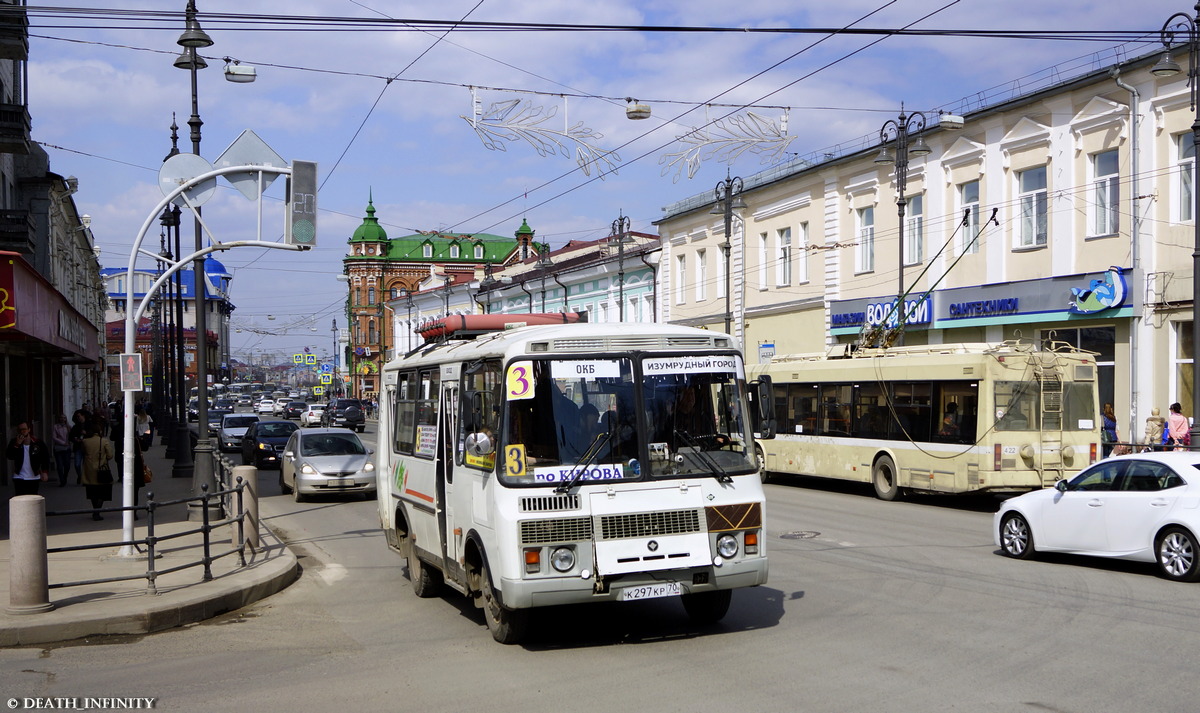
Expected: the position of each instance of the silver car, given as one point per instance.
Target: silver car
(233, 428)
(326, 460)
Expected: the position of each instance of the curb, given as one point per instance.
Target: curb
(186, 605)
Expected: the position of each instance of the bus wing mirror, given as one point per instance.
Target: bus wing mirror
(764, 401)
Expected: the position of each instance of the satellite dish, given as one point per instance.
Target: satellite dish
(181, 168)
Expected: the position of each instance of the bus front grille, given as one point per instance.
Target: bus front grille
(573, 529)
(550, 503)
(649, 524)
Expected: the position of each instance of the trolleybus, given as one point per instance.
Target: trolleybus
(950, 418)
(547, 465)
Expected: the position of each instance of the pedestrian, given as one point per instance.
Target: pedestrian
(143, 427)
(1108, 429)
(1177, 428)
(61, 443)
(31, 460)
(1155, 424)
(97, 474)
(78, 424)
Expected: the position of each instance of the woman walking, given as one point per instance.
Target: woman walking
(1177, 428)
(97, 475)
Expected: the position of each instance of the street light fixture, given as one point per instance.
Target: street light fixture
(898, 130)
(728, 194)
(1188, 29)
(544, 264)
(620, 231)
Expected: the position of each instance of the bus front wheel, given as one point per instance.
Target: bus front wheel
(707, 607)
(885, 478)
(507, 625)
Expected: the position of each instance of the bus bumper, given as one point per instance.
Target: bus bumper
(544, 591)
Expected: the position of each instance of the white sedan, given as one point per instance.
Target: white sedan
(1143, 507)
(311, 416)
(266, 406)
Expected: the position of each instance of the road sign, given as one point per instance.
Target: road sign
(301, 211)
(297, 358)
(131, 372)
(326, 378)
(318, 390)
(327, 368)
(310, 359)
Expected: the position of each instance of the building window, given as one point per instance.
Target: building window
(453, 251)
(783, 264)
(1106, 194)
(914, 231)
(1185, 167)
(1183, 367)
(371, 295)
(968, 203)
(763, 259)
(427, 250)
(371, 332)
(680, 272)
(802, 254)
(722, 269)
(701, 275)
(478, 252)
(864, 251)
(1032, 185)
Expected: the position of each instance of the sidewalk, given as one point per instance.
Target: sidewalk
(126, 607)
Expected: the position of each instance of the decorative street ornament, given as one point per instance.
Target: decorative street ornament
(519, 120)
(726, 139)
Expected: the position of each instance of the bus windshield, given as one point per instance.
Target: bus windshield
(592, 420)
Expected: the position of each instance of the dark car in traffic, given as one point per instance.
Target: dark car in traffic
(346, 413)
(264, 441)
(294, 408)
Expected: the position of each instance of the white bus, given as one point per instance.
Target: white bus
(949, 418)
(548, 465)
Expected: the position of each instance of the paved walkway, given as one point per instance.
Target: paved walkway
(126, 607)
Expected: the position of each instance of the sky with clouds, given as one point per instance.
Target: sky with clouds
(102, 94)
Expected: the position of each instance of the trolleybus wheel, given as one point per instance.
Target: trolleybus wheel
(761, 460)
(884, 476)
(707, 607)
(1016, 539)
(507, 625)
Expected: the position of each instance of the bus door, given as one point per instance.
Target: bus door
(444, 472)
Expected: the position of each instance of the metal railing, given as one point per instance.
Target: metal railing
(148, 544)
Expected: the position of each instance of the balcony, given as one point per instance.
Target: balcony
(14, 128)
(14, 32)
(16, 231)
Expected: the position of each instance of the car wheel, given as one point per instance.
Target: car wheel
(283, 486)
(884, 477)
(362, 429)
(296, 496)
(507, 625)
(707, 607)
(1016, 539)
(1178, 555)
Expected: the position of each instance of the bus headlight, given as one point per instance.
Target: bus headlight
(727, 546)
(563, 559)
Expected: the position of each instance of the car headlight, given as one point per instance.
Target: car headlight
(727, 546)
(368, 467)
(563, 559)
(264, 447)
(308, 469)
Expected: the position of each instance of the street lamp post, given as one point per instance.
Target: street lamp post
(544, 264)
(898, 130)
(202, 475)
(728, 194)
(620, 230)
(408, 330)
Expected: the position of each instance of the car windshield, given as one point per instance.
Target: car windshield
(331, 444)
(276, 429)
(238, 421)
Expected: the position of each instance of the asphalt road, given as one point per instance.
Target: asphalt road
(875, 606)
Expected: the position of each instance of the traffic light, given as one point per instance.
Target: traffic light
(302, 205)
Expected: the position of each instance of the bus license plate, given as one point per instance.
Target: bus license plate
(651, 591)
